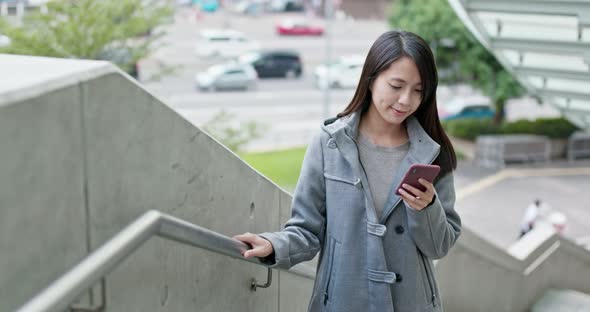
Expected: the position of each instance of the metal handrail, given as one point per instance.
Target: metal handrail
(65, 290)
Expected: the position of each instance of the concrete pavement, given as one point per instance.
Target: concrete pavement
(492, 202)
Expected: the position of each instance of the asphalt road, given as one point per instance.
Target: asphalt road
(494, 211)
(288, 110)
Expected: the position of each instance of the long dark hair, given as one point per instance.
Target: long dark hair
(388, 48)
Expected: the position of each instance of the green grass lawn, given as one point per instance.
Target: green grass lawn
(282, 166)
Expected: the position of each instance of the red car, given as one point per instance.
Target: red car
(298, 28)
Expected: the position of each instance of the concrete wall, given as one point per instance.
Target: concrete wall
(142, 155)
(84, 160)
(477, 276)
(42, 219)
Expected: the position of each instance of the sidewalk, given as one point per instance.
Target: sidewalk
(492, 201)
(467, 148)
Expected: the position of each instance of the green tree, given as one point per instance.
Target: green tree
(224, 128)
(121, 31)
(459, 55)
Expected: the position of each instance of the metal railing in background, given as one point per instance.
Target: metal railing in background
(60, 294)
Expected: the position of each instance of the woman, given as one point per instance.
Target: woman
(376, 248)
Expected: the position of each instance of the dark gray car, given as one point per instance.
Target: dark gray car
(274, 63)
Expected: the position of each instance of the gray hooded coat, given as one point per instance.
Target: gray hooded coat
(366, 264)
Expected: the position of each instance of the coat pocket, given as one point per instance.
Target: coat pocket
(329, 284)
(429, 283)
(351, 181)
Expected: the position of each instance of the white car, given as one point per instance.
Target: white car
(249, 7)
(344, 73)
(224, 43)
(4, 41)
(227, 76)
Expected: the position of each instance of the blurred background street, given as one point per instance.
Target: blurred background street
(289, 110)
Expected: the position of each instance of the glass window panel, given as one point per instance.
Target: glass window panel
(545, 60)
(540, 27)
(535, 82)
(559, 101)
(562, 103)
(579, 104)
(568, 85)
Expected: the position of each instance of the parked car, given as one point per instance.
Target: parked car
(206, 5)
(11, 4)
(274, 63)
(227, 76)
(250, 7)
(224, 43)
(466, 107)
(287, 5)
(298, 27)
(344, 73)
(4, 41)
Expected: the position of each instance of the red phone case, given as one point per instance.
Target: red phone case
(417, 171)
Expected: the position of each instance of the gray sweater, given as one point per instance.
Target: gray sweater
(380, 164)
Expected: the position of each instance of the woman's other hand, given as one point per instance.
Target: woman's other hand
(260, 247)
(416, 198)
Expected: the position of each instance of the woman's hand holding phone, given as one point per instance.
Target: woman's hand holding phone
(416, 187)
(414, 197)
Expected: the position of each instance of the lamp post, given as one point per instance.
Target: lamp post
(328, 8)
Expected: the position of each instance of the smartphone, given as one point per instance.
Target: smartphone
(417, 171)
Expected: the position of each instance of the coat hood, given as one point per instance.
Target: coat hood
(423, 149)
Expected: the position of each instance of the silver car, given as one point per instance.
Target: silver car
(227, 76)
(344, 73)
(4, 41)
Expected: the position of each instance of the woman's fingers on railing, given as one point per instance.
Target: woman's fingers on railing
(260, 246)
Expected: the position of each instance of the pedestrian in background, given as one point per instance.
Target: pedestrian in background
(535, 214)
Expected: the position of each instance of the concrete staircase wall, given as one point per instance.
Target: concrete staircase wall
(85, 151)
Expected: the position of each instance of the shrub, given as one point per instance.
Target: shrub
(470, 129)
(555, 128)
(521, 126)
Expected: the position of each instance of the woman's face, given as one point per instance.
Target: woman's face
(397, 91)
